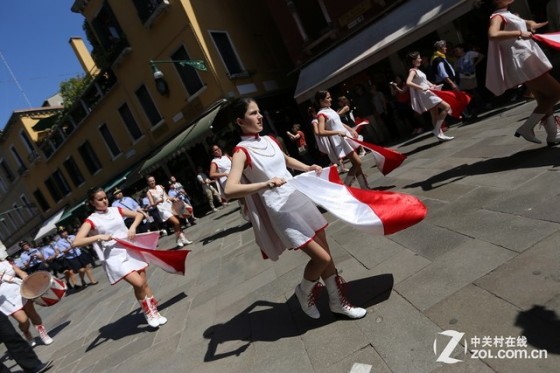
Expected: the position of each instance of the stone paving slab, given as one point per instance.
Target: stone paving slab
(483, 262)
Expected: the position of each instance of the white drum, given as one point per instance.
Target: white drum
(43, 289)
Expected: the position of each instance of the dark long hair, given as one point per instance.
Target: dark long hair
(411, 57)
(319, 96)
(238, 108)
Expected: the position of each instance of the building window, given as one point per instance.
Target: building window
(53, 190)
(41, 201)
(18, 213)
(148, 105)
(6, 169)
(29, 211)
(130, 122)
(74, 172)
(147, 8)
(61, 182)
(26, 141)
(89, 157)
(227, 52)
(3, 185)
(189, 75)
(109, 140)
(21, 166)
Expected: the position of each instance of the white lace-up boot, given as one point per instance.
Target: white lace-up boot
(552, 131)
(153, 305)
(527, 129)
(148, 313)
(337, 300)
(307, 293)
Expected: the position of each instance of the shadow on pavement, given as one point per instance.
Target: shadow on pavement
(270, 321)
(236, 210)
(57, 329)
(133, 323)
(541, 327)
(225, 233)
(531, 158)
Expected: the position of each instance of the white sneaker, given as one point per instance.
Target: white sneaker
(44, 335)
(187, 241)
(180, 242)
(163, 232)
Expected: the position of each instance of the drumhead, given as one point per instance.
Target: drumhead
(35, 285)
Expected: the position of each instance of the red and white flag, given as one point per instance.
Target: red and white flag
(144, 248)
(375, 212)
(458, 100)
(550, 40)
(386, 159)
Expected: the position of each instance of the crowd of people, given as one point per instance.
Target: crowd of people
(258, 173)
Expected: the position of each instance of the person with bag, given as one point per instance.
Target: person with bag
(159, 198)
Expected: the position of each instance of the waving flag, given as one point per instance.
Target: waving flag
(551, 39)
(386, 159)
(375, 212)
(458, 100)
(144, 248)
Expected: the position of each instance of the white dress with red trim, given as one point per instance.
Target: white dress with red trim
(323, 143)
(422, 101)
(10, 297)
(117, 261)
(223, 165)
(165, 207)
(513, 61)
(283, 217)
(339, 147)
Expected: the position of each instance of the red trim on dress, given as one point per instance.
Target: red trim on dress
(120, 211)
(90, 223)
(322, 115)
(499, 15)
(275, 140)
(248, 162)
(312, 238)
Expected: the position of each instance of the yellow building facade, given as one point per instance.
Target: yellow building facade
(125, 115)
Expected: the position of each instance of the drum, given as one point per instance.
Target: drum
(42, 288)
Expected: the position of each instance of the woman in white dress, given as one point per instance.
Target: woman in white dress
(159, 199)
(513, 59)
(12, 303)
(422, 99)
(98, 230)
(282, 217)
(331, 127)
(219, 167)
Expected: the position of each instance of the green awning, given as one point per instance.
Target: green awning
(68, 213)
(116, 182)
(194, 132)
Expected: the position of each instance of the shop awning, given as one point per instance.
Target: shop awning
(49, 226)
(116, 182)
(68, 213)
(194, 132)
(397, 30)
